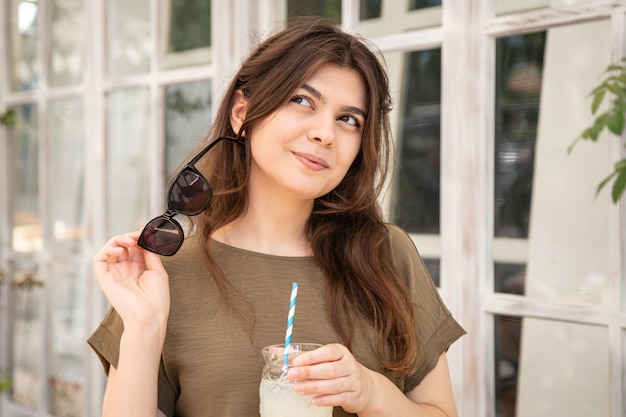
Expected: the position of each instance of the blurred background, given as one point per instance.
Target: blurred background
(101, 100)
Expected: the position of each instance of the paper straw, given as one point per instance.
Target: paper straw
(292, 312)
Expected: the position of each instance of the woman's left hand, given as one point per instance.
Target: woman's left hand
(334, 376)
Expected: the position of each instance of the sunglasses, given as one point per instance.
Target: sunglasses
(189, 194)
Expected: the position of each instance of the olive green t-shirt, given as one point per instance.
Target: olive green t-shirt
(211, 362)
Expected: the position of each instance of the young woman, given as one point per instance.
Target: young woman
(295, 162)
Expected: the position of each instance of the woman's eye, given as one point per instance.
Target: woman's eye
(302, 100)
(351, 120)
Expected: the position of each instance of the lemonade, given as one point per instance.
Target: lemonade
(278, 399)
(276, 392)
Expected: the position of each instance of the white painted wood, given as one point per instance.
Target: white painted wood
(410, 41)
(616, 237)
(94, 189)
(542, 19)
(465, 177)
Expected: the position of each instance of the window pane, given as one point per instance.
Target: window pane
(568, 228)
(190, 25)
(421, 4)
(22, 44)
(24, 181)
(433, 266)
(416, 191)
(128, 162)
(397, 18)
(509, 278)
(327, 8)
(128, 37)
(187, 120)
(563, 369)
(67, 173)
(67, 335)
(27, 329)
(508, 330)
(518, 88)
(67, 42)
(189, 33)
(370, 9)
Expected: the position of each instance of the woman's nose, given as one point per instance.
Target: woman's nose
(322, 130)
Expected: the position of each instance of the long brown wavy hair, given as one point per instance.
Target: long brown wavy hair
(346, 230)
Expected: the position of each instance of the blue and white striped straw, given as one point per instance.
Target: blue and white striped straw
(292, 312)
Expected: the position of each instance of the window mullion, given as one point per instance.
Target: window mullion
(466, 175)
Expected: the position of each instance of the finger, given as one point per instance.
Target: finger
(153, 261)
(327, 353)
(320, 371)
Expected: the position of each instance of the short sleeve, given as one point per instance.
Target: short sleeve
(435, 326)
(105, 341)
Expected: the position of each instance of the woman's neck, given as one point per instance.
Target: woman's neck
(269, 228)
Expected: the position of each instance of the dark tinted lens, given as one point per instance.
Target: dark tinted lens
(190, 193)
(161, 235)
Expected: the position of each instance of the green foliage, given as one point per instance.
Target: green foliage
(612, 89)
(5, 383)
(7, 119)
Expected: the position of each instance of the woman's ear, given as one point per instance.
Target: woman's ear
(238, 107)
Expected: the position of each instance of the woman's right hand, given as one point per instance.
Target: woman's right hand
(134, 281)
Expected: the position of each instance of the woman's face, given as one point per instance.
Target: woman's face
(304, 149)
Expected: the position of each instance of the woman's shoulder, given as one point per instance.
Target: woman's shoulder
(400, 241)
(405, 254)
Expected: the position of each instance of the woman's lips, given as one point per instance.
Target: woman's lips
(311, 161)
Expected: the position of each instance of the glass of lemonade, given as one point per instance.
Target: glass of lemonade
(278, 397)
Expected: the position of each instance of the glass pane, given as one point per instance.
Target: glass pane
(67, 172)
(370, 9)
(416, 191)
(509, 278)
(22, 43)
(190, 25)
(398, 17)
(27, 330)
(519, 66)
(433, 266)
(327, 8)
(189, 36)
(128, 37)
(508, 331)
(128, 174)
(568, 227)
(66, 345)
(422, 4)
(563, 370)
(187, 120)
(24, 181)
(67, 42)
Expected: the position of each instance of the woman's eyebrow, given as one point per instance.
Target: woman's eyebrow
(350, 109)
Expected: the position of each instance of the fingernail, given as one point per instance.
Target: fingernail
(299, 388)
(292, 374)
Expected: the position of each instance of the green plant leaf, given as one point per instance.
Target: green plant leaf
(615, 89)
(597, 100)
(594, 131)
(619, 185)
(7, 119)
(615, 121)
(605, 182)
(614, 67)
